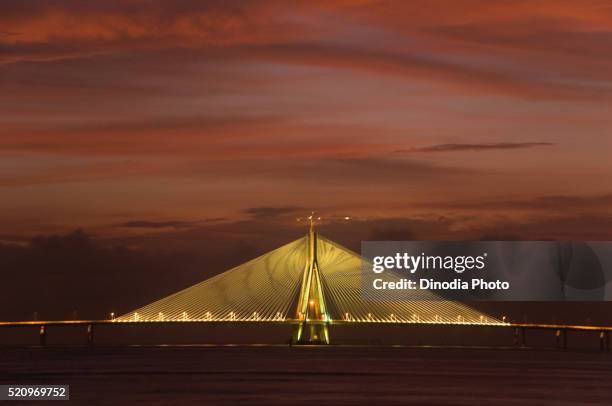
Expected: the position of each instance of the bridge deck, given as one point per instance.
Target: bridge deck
(294, 322)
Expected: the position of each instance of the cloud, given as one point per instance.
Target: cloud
(556, 203)
(478, 147)
(271, 212)
(9, 33)
(157, 224)
(236, 104)
(68, 29)
(272, 31)
(563, 227)
(411, 65)
(391, 234)
(539, 37)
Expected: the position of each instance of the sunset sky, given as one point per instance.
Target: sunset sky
(463, 117)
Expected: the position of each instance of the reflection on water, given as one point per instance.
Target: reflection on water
(279, 375)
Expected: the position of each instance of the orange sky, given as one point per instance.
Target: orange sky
(475, 112)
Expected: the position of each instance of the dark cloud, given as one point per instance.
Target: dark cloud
(270, 212)
(391, 234)
(118, 26)
(380, 171)
(157, 224)
(478, 147)
(555, 203)
(586, 227)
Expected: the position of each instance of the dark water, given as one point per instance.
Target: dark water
(281, 375)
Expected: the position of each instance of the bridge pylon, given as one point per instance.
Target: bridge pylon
(311, 309)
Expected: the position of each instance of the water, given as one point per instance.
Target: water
(279, 375)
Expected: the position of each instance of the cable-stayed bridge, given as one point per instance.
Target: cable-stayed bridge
(311, 282)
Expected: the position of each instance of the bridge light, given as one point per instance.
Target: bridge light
(184, 315)
(112, 316)
(311, 302)
(369, 316)
(136, 317)
(161, 316)
(347, 218)
(503, 319)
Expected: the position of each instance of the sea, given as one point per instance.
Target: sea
(313, 375)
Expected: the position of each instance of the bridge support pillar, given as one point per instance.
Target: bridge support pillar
(311, 333)
(604, 340)
(523, 339)
(90, 334)
(297, 333)
(42, 335)
(561, 338)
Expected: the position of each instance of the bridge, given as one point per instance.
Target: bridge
(311, 284)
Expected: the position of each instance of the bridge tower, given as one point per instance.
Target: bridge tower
(311, 310)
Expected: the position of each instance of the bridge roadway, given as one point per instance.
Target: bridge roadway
(519, 329)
